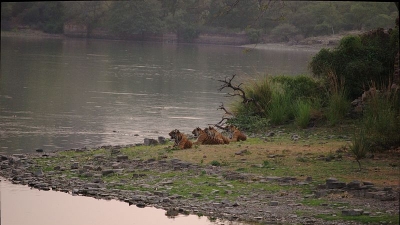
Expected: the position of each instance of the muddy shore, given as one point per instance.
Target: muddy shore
(91, 177)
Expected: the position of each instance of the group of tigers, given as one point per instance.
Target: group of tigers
(208, 136)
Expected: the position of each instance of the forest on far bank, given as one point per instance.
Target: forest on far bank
(280, 20)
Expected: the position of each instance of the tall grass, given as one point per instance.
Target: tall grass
(276, 99)
(359, 147)
(381, 119)
(338, 104)
(281, 108)
(261, 91)
(303, 113)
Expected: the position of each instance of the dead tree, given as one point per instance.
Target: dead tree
(228, 115)
(238, 91)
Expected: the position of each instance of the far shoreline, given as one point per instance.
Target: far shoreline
(29, 33)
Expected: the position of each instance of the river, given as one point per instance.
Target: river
(70, 93)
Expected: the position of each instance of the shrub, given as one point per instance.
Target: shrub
(359, 60)
(381, 119)
(215, 163)
(254, 35)
(359, 147)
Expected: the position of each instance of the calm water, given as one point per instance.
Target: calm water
(23, 205)
(71, 93)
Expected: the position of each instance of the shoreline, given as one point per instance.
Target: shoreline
(114, 172)
(29, 33)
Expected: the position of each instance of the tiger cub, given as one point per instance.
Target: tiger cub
(235, 134)
(180, 140)
(214, 133)
(203, 138)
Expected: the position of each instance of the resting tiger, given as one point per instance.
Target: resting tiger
(236, 134)
(204, 139)
(214, 133)
(180, 139)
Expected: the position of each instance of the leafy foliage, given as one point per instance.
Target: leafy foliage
(281, 19)
(358, 60)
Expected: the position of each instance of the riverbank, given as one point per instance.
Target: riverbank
(251, 181)
(311, 43)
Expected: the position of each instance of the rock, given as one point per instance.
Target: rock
(309, 179)
(241, 152)
(295, 137)
(122, 157)
(39, 150)
(150, 141)
(273, 203)
(88, 167)
(107, 172)
(352, 212)
(354, 185)
(38, 173)
(74, 166)
(270, 134)
(115, 151)
(162, 140)
(333, 183)
(196, 195)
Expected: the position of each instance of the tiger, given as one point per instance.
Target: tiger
(203, 138)
(235, 134)
(214, 133)
(180, 139)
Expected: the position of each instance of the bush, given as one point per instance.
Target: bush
(276, 96)
(359, 60)
(300, 86)
(254, 35)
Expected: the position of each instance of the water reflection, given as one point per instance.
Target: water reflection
(70, 93)
(23, 205)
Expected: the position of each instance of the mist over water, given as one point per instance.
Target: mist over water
(71, 93)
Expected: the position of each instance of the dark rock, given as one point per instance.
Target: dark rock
(352, 212)
(74, 166)
(107, 172)
(270, 134)
(39, 150)
(333, 183)
(122, 157)
(150, 141)
(273, 203)
(115, 151)
(162, 140)
(354, 185)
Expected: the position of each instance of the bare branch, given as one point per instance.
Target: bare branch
(238, 91)
(225, 110)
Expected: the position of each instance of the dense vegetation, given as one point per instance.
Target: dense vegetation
(280, 20)
(361, 65)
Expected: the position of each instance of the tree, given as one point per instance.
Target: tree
(136, 17)
(90, 13)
